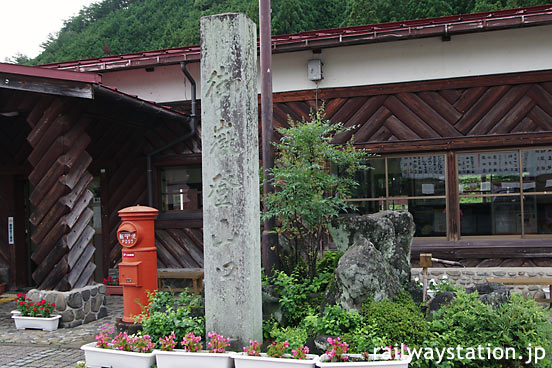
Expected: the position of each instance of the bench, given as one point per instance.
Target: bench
(194, 274)
(527, 281)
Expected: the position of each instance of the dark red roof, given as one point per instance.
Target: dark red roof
(33, 71)
(457, 24)
(93, 79)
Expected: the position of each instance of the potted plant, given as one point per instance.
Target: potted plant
(278, 355)
(34, 315)
(121, 351)
(385, 357)
(112, 286)
(191, 355)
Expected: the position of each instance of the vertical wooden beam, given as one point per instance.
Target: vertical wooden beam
(21, 254)
(453, 206)
(106, 241)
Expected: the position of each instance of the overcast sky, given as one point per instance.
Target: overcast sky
(25, 24)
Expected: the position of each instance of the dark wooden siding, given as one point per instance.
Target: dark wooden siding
(428, 116)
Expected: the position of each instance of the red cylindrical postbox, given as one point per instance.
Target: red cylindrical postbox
(138, 268)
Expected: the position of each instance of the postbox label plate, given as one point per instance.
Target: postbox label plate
(127, 235)
(128, 274)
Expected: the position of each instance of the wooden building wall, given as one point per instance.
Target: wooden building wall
(433, 116)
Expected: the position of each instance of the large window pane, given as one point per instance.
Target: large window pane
(486, 173)
(537, 170)
(371, 181)
(181, 188)
(429, 216)
(490, 215)
(538, 214)
(416, 176)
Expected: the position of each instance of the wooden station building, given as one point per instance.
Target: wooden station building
(457, 110)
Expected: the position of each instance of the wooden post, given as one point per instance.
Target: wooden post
(425, 263)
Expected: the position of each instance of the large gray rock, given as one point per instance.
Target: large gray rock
(491, 293)
(390, 232)
(363, 272)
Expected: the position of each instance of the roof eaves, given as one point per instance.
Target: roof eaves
(382, 32)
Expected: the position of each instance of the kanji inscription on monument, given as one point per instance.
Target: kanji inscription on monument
(231, 224)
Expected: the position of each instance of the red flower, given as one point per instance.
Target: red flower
(21, 303)
(53, 304)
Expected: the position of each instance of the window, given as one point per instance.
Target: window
(506, 192)
(181, 189)
(537, 191)
(415, 183)
(489, 193)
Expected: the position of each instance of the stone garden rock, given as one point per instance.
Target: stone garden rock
(67, 316)
(403, 223)
(441, 300)
(363, 272)
(85, 295)
(103, 312)
(491, 293)
(95, 304)
(271, 304)
(75, 300)
(390, 232)
(415, 291)
(61, 303)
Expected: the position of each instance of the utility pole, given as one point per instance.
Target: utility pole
(269, 238)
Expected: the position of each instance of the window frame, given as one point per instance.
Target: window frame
(388, 198)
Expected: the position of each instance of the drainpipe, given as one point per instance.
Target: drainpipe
(193, 126)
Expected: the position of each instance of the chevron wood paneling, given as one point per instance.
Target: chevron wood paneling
(464, 112)
(59, 177)
(126, 185)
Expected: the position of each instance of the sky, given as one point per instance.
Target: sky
(26, 24)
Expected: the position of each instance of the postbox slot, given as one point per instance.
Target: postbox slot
(128, 274)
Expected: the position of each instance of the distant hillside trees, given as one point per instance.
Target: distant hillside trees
(112, 27)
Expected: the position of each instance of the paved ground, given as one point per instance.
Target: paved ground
(55, 349)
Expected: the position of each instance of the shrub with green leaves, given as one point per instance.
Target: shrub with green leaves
(168, 313)
(336, 321)
(397, 321)
(299, 296)
(468, 322)
(296, 336)
(307, 195)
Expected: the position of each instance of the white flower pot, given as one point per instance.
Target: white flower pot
(403, 363)
(15, 313)
(99, 358)
(39, 323)
(246, 361)
(180, 358)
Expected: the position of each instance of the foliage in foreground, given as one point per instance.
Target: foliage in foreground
(307, 195)
(168, 313)
(465, 322)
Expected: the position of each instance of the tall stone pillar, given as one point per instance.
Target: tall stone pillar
(231, 204)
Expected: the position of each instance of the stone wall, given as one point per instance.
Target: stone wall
(77, 306)
(470, 276)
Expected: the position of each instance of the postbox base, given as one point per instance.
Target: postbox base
(128, 327)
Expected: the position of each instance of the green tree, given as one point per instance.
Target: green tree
(307, 196)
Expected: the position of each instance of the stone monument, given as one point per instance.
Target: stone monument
(231, 203)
